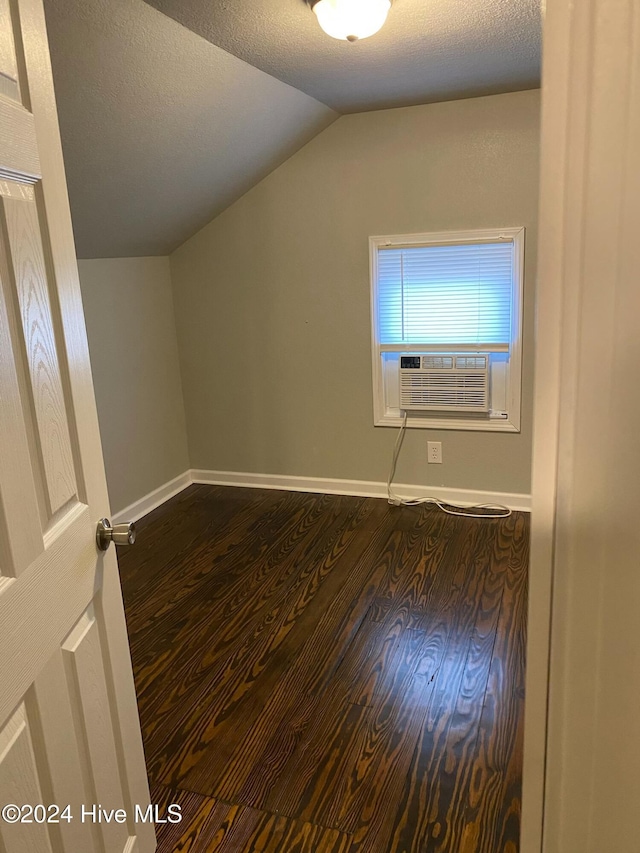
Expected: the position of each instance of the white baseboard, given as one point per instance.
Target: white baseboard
(153, 500)
(363, 488)
(324, 485)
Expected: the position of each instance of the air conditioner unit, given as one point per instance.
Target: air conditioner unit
(444, 382)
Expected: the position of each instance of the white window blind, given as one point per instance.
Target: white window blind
(451, 294)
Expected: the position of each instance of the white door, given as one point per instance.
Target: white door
(69, 729)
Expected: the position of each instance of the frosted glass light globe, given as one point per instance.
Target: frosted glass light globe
(351, 20)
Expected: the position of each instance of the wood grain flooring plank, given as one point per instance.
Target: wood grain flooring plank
(333, 748)
(276, 834)
(190, 519)
(325, 633)
(166, 671)
(433, 815)
(377, 659)
(379, 752)
(455, 770)
(242, 697)
(248, 605)
(167, 524)
(429, 566)
(415, 618)
(329, 674)
(492, 798)
(157, 622)
(190, 834)
(382, 659)
(458, 599)
(209, 825)
(250, 538)
(413, 558)
(394, 726)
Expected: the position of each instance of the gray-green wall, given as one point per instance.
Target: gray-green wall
(272, 297)
(128, 309)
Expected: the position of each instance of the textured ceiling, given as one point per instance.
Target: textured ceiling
(164, 125)
(429, 50)
(161, 130)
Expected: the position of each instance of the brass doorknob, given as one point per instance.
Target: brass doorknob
(121, 534)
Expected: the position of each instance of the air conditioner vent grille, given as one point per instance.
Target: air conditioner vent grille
(437, 362)
(471, 362)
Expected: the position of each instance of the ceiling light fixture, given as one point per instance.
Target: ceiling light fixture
(351, 20)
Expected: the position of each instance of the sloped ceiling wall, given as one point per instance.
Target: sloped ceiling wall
(161, 129)
(428, 50)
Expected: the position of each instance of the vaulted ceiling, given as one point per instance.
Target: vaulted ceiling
(428, 50)
(171, 109)
(161, 130)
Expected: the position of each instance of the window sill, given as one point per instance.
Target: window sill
(442, 422)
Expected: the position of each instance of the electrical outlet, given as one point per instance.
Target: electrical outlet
(434, 451)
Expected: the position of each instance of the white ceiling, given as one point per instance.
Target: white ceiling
(428, 50)
(164, 124)
(161, 130)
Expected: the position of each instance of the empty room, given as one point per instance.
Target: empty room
(318, 454)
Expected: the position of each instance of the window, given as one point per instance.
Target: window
(436, 299)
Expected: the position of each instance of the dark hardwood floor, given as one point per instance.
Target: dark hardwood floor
(327, 674)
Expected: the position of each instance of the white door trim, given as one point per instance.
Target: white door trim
(582, 733)
(556, 87)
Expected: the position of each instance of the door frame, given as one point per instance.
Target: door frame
(556, 86)
(581, 737)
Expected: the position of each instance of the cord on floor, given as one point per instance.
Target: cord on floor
(494, 510)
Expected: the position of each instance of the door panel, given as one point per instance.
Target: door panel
(20, 520)
(8, 70)
(84, 664)
(69, 729)
(22, 246)
(19, 783)
(67, 776)
(18, 150)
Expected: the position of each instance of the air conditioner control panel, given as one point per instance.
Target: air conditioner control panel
(410, 361)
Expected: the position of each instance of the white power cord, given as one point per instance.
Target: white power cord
(496, 510)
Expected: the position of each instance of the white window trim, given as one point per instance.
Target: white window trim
(387, 416)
